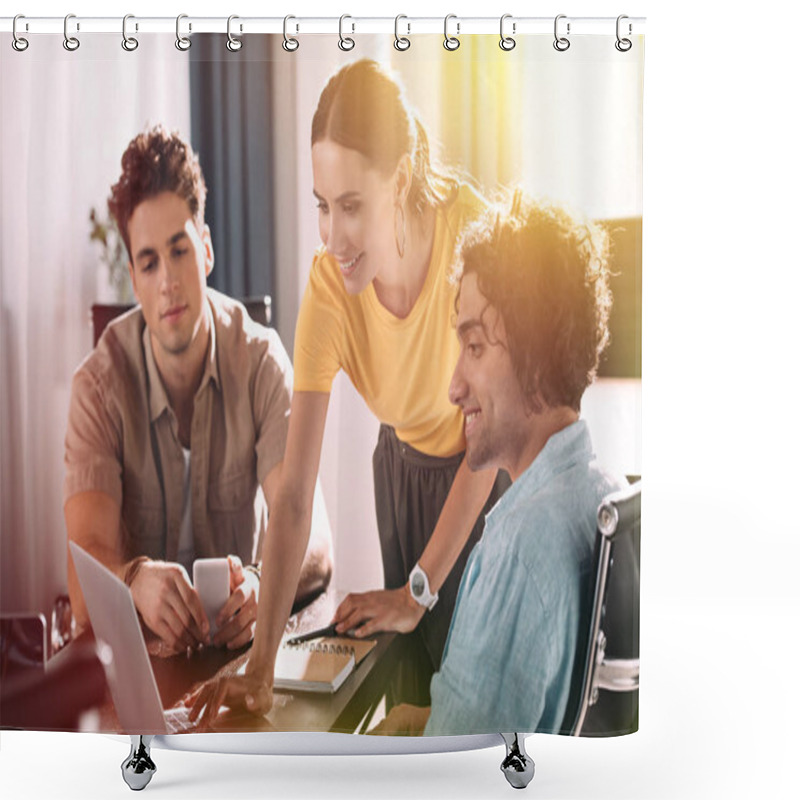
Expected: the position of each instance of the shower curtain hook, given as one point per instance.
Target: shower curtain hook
(346, 43)
(129, 43)
(401, 42)
(507, 42)
(451, 42)
(561, 43)
(290, 43)
(71, 43)
(623, 45)
(19, 43)
(183, 43)
(233, 44)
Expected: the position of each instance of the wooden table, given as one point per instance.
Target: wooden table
(56, 700)
(345, 711)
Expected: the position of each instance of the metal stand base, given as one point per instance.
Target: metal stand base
(138, 768)
(517, 766)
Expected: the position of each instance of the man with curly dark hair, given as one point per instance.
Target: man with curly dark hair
(532, 320)
(178, 419)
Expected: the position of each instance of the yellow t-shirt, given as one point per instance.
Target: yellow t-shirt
(401, 367)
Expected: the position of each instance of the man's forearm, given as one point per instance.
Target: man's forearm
(93, 523)
(124, 570)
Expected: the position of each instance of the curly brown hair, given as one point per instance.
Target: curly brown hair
(156, 161)
(547, 275)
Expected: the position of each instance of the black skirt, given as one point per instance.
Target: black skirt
(410, 491)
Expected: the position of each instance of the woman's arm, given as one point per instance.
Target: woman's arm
(282, 555)
(289, 526)
(396, 609)
(315, 573)
(466, 499)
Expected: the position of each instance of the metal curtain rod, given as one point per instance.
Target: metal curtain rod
(304, 25)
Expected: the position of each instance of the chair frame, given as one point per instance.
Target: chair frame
(619, 512)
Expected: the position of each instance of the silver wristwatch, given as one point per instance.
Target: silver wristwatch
(421, 588)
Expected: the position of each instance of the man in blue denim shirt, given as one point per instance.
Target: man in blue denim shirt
(532, 321)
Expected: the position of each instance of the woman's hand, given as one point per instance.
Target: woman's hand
(403, 720)
(249, 692)
(383, 610)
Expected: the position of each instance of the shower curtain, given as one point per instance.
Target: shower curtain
(543, 121)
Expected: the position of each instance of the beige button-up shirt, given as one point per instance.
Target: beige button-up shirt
(122, 435)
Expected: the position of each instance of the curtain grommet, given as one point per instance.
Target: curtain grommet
(19, 43)
(290, 43)
(71, 43)
(129, 43)
(183, 43)
(401, 43)
(233, 44)
(507, 43)
(346, 43)
(451, 43)
(561, 43)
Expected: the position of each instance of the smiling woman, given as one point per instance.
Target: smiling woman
(376, 186)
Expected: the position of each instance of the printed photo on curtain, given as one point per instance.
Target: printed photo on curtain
(321, 385)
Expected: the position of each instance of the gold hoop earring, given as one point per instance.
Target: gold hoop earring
(400, 243)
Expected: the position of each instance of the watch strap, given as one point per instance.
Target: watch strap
(420, 588)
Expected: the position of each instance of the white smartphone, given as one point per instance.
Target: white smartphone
(213, 584)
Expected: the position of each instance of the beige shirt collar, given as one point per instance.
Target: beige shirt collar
(157, 394)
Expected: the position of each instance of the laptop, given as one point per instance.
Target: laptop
(129, 673)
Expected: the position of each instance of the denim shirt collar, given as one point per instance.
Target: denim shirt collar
(561, 451)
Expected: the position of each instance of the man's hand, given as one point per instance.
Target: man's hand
(403, 720)
(236, 621)
(170, 606)
(250, 692)
(383, 610)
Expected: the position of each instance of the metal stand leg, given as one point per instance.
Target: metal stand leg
(138, 768)
(518, 766)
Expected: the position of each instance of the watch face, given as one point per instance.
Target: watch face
(417, 585)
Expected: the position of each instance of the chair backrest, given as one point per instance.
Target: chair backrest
(605, 697)
(102, 314)
(259, 308)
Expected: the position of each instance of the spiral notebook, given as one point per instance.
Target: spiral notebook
(320, 666)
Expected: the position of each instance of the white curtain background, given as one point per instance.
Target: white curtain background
(66, 119)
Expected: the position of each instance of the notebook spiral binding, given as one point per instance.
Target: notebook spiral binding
(235, 44)
(319, 647)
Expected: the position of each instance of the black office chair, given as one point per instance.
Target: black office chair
(605, 693)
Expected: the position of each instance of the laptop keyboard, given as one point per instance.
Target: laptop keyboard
(178, 720)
